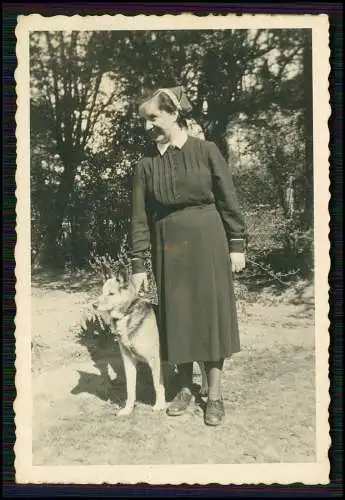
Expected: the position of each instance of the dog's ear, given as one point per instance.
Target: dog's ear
(122, 276)
(120, 279)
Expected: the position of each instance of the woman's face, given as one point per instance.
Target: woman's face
(159, 123)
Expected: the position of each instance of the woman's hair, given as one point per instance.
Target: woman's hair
(164, 103)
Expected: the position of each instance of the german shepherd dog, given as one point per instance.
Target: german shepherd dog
(131, 318)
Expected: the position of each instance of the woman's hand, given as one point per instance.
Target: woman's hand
(140, 280)
(238, 261)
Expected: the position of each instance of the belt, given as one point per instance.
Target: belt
(167, 211)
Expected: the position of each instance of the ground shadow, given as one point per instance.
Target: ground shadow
(110, 383)
(114, 390)
(104, 389)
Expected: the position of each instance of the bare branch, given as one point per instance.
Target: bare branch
(257, 36)
(268, 271)
(82, 106)
(47, 98)
(58, 130)
(72, 48)
(67, 110)
(63, 62)
(100, 111)
(93, 103)
(288, 59)
(83, 98)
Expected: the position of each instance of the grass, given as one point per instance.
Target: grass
(268, 389)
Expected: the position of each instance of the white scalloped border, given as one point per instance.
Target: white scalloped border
(306, 473)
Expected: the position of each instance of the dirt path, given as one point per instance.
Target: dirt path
(268, 393)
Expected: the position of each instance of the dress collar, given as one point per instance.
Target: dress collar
(178, 142)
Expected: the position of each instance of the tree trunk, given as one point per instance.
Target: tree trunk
(216, 132)
(54, 254)
(278, 183)
(80, 245)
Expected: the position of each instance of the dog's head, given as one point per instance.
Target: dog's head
(115, 299)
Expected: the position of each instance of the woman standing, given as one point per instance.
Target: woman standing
(186, 211)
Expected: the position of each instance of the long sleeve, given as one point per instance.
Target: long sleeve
(140, 231)
(226, 200)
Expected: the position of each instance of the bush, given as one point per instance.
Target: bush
(262, 223)
(254, 188)
(298, 243)
(283, 244)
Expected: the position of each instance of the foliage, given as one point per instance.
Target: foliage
(72, 95)
(279, 248)
(250, 88)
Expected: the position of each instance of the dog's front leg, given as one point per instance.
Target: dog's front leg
(158, 383)
(130, 366)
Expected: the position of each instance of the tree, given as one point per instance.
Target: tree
(68, 99)
(85, 89)
(230, 70)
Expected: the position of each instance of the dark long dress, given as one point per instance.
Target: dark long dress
(186, 210)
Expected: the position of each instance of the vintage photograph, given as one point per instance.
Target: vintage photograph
(172, 254)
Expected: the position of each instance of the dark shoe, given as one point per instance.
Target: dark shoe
(180, 403)
(215, 412)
